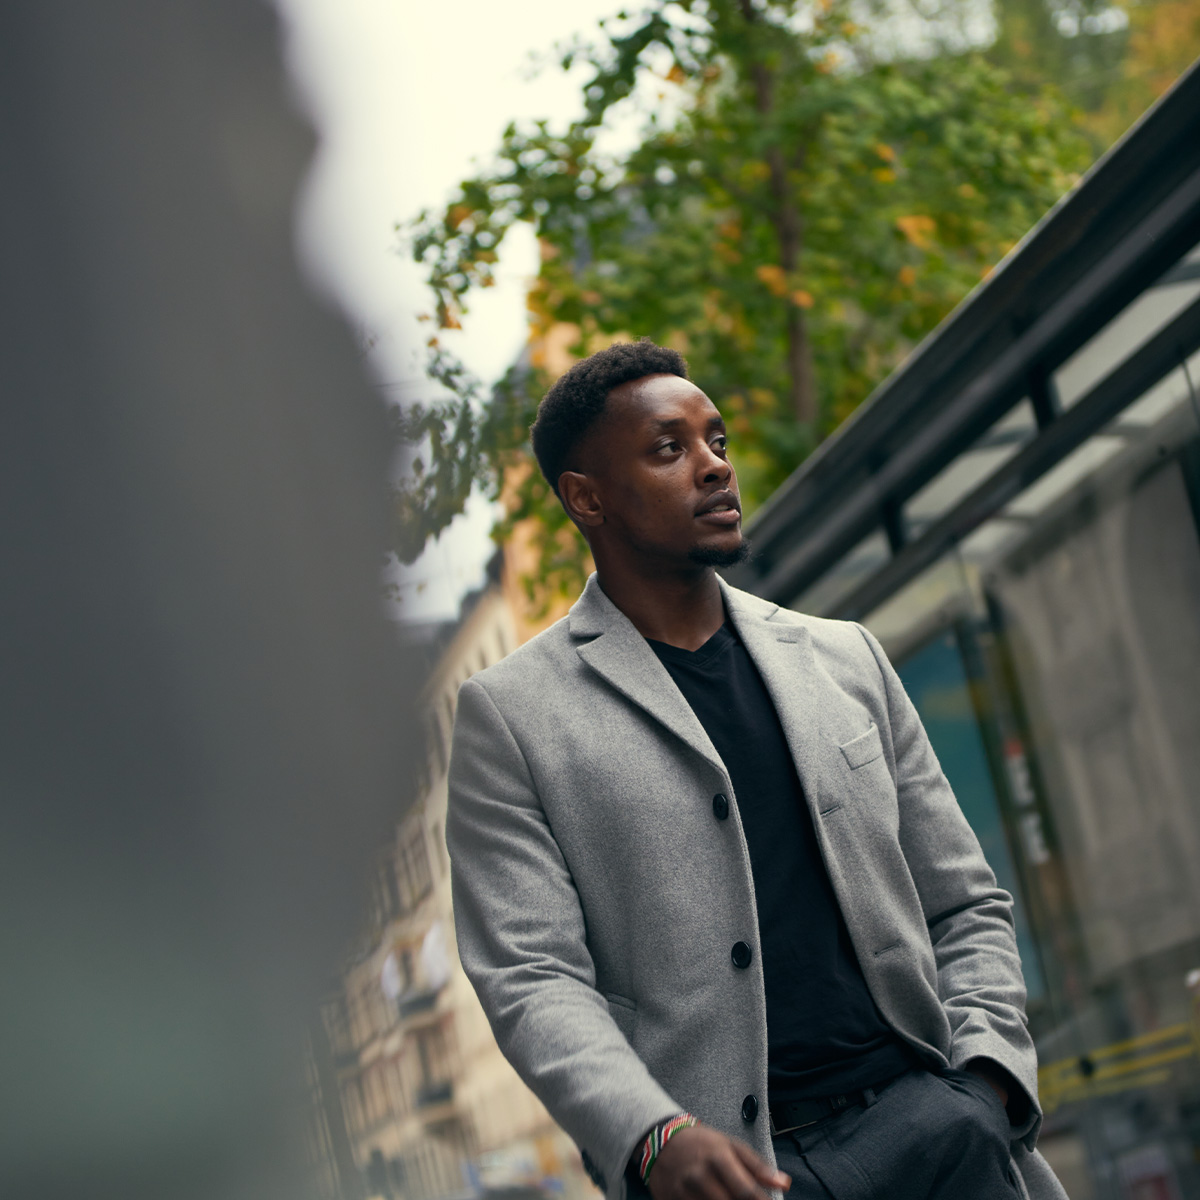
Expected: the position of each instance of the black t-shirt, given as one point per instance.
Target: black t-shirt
(824, 1033)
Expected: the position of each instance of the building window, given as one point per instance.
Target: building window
(412, 867)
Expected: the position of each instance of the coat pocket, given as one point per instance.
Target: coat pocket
(865, 748)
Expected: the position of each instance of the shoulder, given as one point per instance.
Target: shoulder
(833, 641)
(541, 661)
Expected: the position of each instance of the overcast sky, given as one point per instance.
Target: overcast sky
(405, 97)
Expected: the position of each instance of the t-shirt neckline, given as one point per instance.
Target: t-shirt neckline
(717, 644)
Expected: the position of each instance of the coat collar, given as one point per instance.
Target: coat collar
(622, 657)
(781, 649)
(783, 653)
(594, 613)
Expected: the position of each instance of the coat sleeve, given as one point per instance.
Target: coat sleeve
(969, 917)
(522, 939)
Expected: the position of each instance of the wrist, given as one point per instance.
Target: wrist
(996, 1077)
(652, 1145)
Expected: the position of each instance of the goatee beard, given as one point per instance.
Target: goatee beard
(716, 556)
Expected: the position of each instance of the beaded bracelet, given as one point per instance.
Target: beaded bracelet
(657, 1138)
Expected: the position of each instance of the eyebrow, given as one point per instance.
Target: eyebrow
(717, 422)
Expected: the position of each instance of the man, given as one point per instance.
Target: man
(710, 883)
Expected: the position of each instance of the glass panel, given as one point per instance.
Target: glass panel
(993, 537)
(936, 679)
(1131, 328)
(839, 581)
(1074, 616)
(1078, 466)
(990, 452)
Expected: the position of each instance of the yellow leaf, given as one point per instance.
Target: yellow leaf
(457, 215)
(432, 342)
(908, 276)
(885, 151)
(918, 229)
(802, 299)
(967, 191)
(884, 174)
(773, 277)
(675, 74)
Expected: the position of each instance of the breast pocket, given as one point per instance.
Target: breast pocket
(865, 748)
(867, 785)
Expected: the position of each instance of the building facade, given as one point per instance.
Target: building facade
(430, 1108)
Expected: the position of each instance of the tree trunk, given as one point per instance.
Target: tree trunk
(800, 369)
(789, 229)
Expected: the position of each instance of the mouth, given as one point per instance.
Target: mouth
(722, 508)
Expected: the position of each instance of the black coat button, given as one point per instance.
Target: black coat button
(741, 955)
(749, 1108)
(720, 807)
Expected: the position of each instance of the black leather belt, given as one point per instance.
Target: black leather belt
(799, 1113)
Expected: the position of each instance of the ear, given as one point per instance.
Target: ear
(580, 499)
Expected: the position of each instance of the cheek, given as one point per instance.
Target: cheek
(654, 497)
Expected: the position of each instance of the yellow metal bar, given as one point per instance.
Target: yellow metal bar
(1063, 1081)
(1146, 1039)
(1144, 1064)
(1129, 1045)
(1056, 1100)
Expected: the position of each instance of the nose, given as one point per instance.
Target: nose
(713, 468)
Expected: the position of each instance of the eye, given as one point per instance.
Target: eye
(720, 443)
(669, 447)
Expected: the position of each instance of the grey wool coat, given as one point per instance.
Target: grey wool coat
(596, 896)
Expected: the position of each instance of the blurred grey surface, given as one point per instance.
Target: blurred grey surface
(202, 710)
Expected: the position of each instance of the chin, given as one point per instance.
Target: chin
(720, 556)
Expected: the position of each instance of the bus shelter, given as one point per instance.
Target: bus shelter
(1015, 513)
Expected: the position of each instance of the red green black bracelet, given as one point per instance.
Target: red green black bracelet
(657, 1138)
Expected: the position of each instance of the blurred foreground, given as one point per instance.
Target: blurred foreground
(200, 722)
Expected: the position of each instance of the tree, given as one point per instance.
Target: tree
(815, 186)
(1111, 58)
(1163, 41)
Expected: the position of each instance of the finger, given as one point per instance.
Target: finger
(764, 1174)
(702, 1183)
(737, 1182)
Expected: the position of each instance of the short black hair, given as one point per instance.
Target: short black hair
(576, 401)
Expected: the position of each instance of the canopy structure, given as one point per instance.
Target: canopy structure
(868, 504)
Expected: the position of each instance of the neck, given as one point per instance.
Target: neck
(682, 608)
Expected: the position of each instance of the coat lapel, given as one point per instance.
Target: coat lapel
(783, 654)
(613, 648)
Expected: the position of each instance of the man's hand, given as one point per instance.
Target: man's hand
(700, 1163)
(994, 1075)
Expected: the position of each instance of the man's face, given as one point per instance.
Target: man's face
(658, 476)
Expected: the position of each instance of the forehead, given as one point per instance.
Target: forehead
(648, 402)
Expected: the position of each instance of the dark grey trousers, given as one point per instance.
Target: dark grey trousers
(924, 1137)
